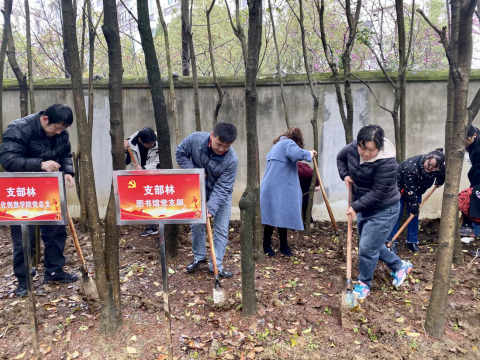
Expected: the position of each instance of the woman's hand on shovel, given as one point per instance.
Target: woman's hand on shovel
(348, 180)
(351, 212)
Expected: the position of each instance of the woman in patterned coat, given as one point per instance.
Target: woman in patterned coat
(415, 176)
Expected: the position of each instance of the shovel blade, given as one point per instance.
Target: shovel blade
(218, 296)
(349, 300)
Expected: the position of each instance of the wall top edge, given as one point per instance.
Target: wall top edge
(235, 81)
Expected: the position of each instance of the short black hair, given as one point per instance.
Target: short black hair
(371, 133)
(226, 132)
(472, 130)
(147, 135)
(59, 113)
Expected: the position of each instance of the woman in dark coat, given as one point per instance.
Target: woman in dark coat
(280, 192)
(469, 228)
(369, 166)
(415, 176)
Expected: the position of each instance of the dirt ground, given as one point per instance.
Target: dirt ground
(299, 306)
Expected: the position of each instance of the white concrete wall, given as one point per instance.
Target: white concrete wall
(426, 102)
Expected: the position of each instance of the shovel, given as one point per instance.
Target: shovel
(410, 218)
(324, 194)
(218, 294)
(349, 300)
(88, 286)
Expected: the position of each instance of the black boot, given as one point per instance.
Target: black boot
(267, 239)
(284, 248)
(413, 247)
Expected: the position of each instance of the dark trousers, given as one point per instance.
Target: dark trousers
(54, 237)
(267, 236)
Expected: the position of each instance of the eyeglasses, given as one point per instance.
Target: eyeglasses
(430, 167)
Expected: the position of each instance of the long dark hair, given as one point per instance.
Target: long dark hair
(294, 133)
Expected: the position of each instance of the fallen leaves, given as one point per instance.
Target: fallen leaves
(131, 350)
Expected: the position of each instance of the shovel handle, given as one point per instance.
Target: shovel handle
(410, 218)
(212, 249)
(329, 209)
(131, 156)
(75, 239)
(349, 241)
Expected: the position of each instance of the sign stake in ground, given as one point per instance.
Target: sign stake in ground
(27, 258)
(160, 197)
(28, 199)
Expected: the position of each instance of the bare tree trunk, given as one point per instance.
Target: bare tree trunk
(103, 286)
(402, 81)
(185, 46)
(454, 31)
(277, 53)
(36, 258)
(214, 71)
(3, 51)
(159, 109)
(460, 65)
(193, 59)
(29, 58)
(250, 201)
(316, 103)
(82, 46)
(112, 233)
(170, 73)
(347, 68)
(21, 78)
(333, 67)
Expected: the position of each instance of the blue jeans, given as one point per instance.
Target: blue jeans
(373, 229)
(220, 235)
(412, 227)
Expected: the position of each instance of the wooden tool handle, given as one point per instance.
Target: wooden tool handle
(410, 218)
(212, 249)
(329, 209)
(131, 156)
(75, 239)
(349, 239)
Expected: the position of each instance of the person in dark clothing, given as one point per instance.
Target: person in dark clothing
(305, 175)
(415, 176)
(144, 148)
(470, 228)
(369, 166)
(35, 143)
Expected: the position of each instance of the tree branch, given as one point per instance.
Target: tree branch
(128, 10)
(371, 91)
(384, 71)
(456, 76)
(410, 39)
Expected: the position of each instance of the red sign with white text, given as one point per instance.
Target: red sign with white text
(29, 199)
(159, 196)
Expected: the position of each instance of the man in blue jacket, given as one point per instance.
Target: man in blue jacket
(35, 143)
(212, 152)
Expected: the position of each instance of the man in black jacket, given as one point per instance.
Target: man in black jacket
(35, 143)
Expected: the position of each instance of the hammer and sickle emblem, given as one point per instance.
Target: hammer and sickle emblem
(132, 184)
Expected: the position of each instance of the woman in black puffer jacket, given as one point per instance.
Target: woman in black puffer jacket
(369, 165)
(415, 176)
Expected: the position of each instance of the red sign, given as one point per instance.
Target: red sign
(153, 196)
(30, 199)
